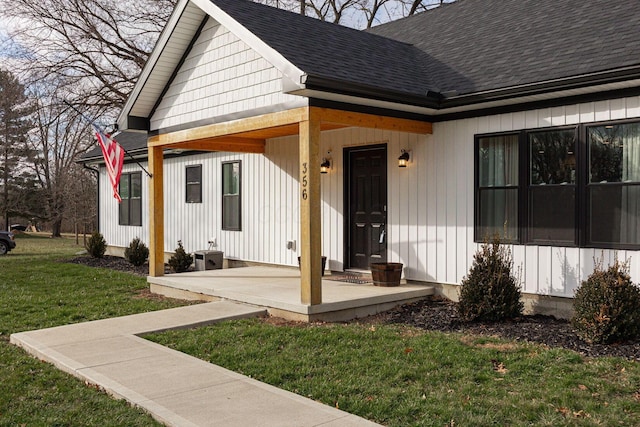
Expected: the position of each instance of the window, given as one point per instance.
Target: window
(231, 206)
(613, 191)
(498, 187)
(130, 209)
(562, 186)
(552, 192)
(194, 184)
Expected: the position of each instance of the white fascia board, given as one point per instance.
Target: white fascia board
(293, 73)
(153, 59)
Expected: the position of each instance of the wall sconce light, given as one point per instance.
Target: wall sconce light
(403, 160)
(325, 165)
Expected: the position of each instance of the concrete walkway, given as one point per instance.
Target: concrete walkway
(176, 389)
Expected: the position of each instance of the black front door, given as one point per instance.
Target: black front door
(366, 199)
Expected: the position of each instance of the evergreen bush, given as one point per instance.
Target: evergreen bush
(490, 291)
(96, 245)
(137, 252)
(180, 261)
(607, 306)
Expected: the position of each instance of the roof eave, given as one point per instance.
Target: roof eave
(163, 39)
(430, 99)
(140, 153)
(127, 120)
(539, 88)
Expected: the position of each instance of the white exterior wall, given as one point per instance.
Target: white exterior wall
(545, 270)
(114, 234)
(269, 206)
(430, 203)
(220, 76)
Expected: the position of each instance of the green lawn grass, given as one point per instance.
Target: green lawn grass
(394, 375)
(399, 376)
(39, 291)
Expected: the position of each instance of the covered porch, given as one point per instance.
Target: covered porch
(278, 290)
(306, 290)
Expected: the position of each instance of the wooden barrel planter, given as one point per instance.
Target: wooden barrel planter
(386, 273)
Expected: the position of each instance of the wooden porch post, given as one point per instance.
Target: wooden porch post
(310, 212)
(156, 213)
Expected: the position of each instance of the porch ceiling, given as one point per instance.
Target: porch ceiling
(250, 134)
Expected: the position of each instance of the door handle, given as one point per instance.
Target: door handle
(382, 236)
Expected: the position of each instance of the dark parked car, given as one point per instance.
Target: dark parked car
(6, 242)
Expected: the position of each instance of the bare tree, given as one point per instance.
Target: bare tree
(81, 198)
(414, 6)
(332, 10)
(60, 136)
(98, 47)
(356, 13)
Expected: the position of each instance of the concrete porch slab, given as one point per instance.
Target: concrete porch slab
(278, 290)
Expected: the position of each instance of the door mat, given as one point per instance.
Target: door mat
(350, 278)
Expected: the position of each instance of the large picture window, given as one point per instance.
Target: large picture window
(577, 186)
(130, 208)
(231, 198)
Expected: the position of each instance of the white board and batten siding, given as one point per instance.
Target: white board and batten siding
(221, 76)
(545, 270)
(430, 203)
(269, 206)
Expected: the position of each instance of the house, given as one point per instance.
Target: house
(516, 117)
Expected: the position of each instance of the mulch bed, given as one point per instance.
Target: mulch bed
(113, 263)
(438, 314)
(118, 264)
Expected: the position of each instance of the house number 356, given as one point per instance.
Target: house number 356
(305, 181)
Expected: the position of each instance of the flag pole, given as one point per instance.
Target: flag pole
(123, 149)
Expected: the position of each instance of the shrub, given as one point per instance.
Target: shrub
(490, 291)
(180, 261)
(96, 245)
(607, 305)
(137, 252)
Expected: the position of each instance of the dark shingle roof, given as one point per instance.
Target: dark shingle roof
(133, 142)
(478, 45)
(333, 51)
(466, 46)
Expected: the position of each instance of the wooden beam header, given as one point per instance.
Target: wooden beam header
(249, 134)
(234, 127)
(364, 120)
(229, 144)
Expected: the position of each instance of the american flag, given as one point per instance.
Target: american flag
(114, 158)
